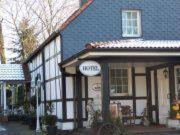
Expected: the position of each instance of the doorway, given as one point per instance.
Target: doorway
(160, 102)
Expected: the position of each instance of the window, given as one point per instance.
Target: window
(119, 81)
(131, 23)
(178, 83)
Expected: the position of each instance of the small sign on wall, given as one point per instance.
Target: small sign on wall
(90, 68)
(96, 87)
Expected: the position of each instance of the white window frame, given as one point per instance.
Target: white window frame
(129, 83)
(139, 29)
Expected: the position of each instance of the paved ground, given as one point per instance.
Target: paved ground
(13, 128)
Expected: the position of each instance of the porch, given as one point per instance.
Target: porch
(138, 78)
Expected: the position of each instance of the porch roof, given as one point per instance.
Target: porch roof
(126, 48)
(135, 43)
(11, 72)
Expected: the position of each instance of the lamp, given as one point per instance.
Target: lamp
(165, 73)
(38, 86)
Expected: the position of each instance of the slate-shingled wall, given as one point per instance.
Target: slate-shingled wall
(102, 21)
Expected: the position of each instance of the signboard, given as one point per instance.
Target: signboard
(96, 87)
(90, 68)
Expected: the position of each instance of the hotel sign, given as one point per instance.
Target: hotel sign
(90, 68)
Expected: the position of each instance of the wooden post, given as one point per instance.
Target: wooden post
(171, 84)
(105, 90)
(44, 76)
(79, 100)
(149, 96)
(156, 96)
(134, 90)
(64, 108)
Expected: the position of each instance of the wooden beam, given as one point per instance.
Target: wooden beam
(44, 80)
(105, 90)
(64, 108)
(140, 74)
(149, 94)
(133, 89)
(86, 94)
(156, 96)
(79, 100)
(171, 83)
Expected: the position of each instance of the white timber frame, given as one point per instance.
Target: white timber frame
(45, 63)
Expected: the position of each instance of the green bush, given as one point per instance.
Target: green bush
(50, 120)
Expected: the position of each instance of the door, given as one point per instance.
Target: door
(163, 95)
(160, 104)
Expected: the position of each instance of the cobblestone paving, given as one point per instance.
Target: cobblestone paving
(13, 128)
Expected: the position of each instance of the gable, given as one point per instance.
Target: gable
(101, 21)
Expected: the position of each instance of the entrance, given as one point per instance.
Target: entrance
(160, 103)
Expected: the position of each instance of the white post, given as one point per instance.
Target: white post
(5, 105)
(12, 91)
(37, 111)
(2, 95)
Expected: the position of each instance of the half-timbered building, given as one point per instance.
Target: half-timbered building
(136, 43)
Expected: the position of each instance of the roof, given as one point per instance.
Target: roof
(135, 44)
(11, 72)
(76, 14)
(62, 27)
(128, 47)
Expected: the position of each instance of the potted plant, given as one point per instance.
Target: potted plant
(50, 120)
(51, 124)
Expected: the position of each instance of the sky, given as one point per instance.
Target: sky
(8, 9)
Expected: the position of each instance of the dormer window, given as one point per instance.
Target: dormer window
(131, 23)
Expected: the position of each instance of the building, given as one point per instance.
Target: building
(136, 43)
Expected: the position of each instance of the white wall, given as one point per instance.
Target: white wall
(96, 95)
(52, 75)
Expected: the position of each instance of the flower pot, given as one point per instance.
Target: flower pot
(51, 130)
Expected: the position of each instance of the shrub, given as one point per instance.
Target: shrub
(51, 120)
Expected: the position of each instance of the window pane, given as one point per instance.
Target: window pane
(125, 89)
(113, 81)
(134, 22)
(129, 23)
(134, 15)
(135, 31)
(119, 81)
(119, 89)
(112, 72)
(125, 81)
(124, 72)
(129, 30)
(118, 73)
(128, 15)
(178, 80)
(178, 72)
